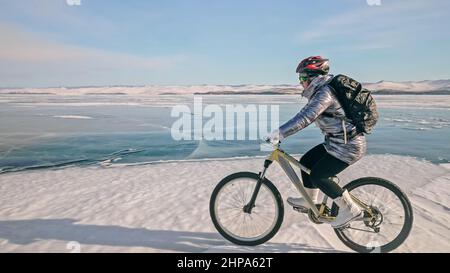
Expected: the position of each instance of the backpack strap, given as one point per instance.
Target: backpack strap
(347, 137)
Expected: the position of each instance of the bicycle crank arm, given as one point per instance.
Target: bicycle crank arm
(326, 219)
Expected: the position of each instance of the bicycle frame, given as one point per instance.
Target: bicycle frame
(285, 161)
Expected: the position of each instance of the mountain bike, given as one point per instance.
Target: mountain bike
(247, 209)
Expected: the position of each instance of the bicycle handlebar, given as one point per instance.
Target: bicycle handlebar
(266, 140)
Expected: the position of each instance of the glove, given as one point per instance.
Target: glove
(274, 138)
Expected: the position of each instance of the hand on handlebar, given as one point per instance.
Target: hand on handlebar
(274, 138)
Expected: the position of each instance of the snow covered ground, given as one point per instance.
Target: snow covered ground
(164, 208)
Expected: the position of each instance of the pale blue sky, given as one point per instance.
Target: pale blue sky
(110, 42)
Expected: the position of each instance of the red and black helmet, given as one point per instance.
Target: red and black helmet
(314, 65)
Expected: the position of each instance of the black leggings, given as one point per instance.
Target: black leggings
(322, 166)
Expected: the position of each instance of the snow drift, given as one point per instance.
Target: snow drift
(164, 208)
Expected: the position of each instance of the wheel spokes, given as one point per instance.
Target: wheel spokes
(230, 210)
(389, 222)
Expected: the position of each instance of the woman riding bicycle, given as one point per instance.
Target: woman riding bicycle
(343, 144)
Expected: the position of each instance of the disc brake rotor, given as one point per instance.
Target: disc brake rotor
(373, 221)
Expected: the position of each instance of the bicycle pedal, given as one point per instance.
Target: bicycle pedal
(300, 209)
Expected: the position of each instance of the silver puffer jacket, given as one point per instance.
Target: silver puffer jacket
(323, 108)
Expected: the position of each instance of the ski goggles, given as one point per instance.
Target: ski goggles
(303, 77)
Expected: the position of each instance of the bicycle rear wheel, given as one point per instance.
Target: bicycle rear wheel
(227, 204)
(392, 222)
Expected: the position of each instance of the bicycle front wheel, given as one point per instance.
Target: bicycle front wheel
(392, 218)
(227, 204)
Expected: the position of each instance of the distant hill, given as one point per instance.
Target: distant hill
(441, 87)
(429, 87)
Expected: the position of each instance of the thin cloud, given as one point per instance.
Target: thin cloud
(26, 54)
(371, 28)
(57, 14)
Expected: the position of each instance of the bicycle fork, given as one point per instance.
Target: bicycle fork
(251, 204)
